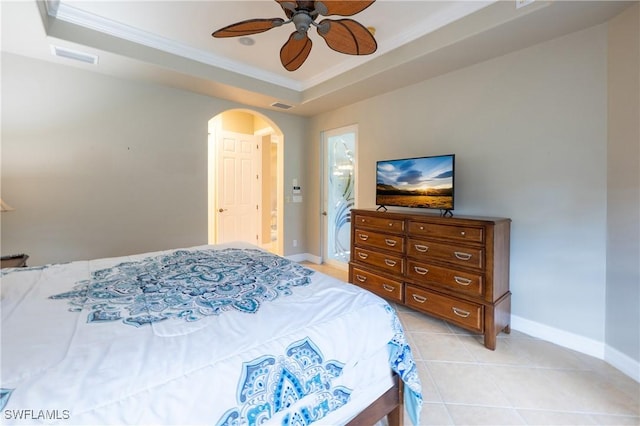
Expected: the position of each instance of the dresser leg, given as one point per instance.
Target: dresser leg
(497, 318)
(490, 340)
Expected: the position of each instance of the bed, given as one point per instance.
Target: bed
(217, 335)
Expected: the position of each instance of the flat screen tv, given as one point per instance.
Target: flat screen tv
(423, 182)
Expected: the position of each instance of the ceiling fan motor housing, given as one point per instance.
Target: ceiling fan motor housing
(302, 21)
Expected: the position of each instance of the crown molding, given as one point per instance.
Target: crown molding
(453, 12)
(72, 15)
(57, 9)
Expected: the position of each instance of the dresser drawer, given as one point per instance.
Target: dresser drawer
(463, 313)
(382, 223)
(390, 242)
(384, 287)
(462, 282)
(390, 263)
(466, 256)
(449, 232)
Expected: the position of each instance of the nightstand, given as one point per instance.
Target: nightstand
(14, 261)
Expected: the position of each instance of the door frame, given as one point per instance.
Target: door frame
(263, 126)
(324, 179)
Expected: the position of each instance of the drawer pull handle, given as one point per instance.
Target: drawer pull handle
(390, 223)
(462, 281)
(421, 271)
(422, 228)
(390, 243)
(364, 237)
(421, 248)
(419, 299)
(460, 312)
(363, 255)
(361, 278)
(462, 256)
(390, 262)
(462, 233)
(388, 287)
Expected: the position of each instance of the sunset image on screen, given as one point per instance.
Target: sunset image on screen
(417, 182)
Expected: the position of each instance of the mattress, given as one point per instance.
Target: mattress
(225, 335)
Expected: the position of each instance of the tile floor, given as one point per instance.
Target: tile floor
(525, 381)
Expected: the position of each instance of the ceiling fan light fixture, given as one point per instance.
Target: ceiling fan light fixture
(302, 21)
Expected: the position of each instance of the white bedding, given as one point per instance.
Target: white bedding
(127, 347)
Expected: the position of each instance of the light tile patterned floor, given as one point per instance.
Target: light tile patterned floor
(525, 381)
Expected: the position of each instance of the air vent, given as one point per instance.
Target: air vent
(63, 52)
(281, 105)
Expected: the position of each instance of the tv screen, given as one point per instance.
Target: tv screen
(425, 182)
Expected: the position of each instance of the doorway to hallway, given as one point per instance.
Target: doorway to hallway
(245, 196)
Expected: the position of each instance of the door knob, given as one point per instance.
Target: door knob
(324, 213)
(222, 210)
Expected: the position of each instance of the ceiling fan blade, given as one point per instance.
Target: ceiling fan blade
(289, 6)
(347, 36)
(342, 8)
(248, 27)
(295, 51)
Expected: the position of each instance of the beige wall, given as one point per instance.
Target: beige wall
(98, 166)
(623, 183)
(529, 130)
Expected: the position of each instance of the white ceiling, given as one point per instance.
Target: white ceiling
(170, 42)
(187, 26)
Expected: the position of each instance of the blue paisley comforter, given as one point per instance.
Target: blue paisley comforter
(208, 335)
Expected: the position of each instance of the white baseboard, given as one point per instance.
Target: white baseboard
(558, 336)
(622, 362)
(305, 257)
(582, 344)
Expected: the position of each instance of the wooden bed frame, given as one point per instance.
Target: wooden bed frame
(390, 404)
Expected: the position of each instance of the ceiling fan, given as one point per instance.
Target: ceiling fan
(342, 35)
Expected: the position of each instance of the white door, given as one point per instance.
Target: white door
(339, 193)
(237, 206)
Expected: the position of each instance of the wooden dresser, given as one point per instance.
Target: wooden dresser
(454, 268)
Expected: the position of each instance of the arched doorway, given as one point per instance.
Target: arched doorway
(245, 191)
